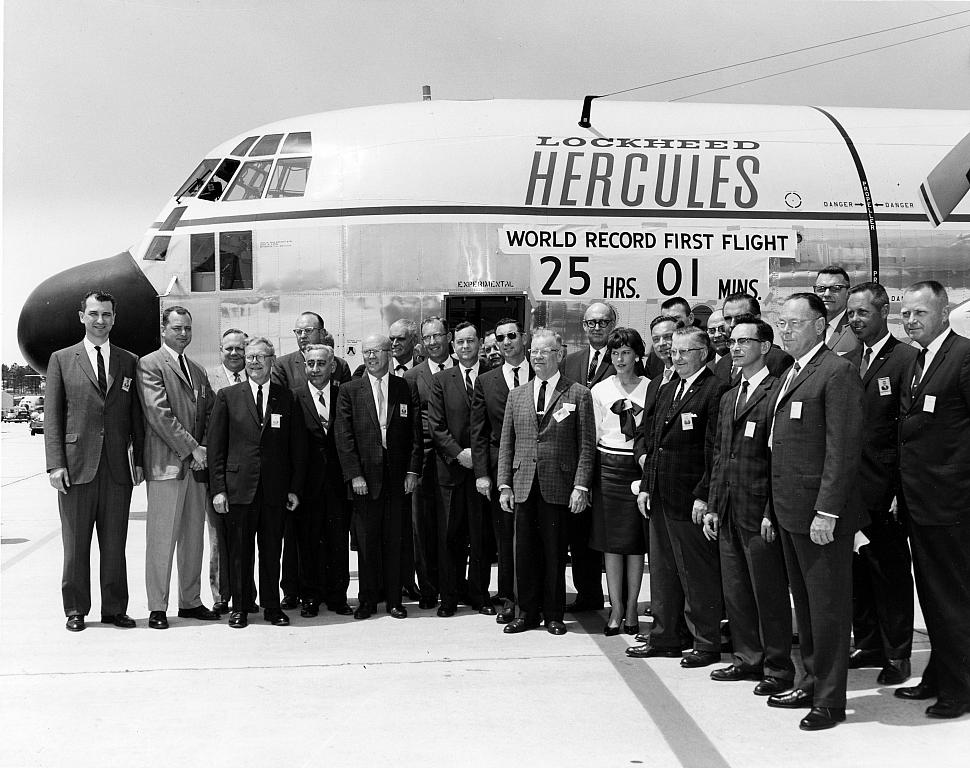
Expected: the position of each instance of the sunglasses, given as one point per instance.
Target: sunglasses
(511, 336)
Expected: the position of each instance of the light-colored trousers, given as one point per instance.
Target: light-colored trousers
(176, 516)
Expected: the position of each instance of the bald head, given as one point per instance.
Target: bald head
(376, 350)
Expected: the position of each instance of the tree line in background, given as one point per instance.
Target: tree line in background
(21, 380)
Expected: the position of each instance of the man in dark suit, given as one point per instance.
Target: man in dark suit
(379, 445)
(678, 308)
(488, 412)
(934, 461)
(323, 517)
(832, 287)
(752, 563)
(685, 577)
(463, 527)
(92, 416)
(777, 360)
(545, 471)
(816, 445)
(882, 582)
(257, 466)
(290, 373)
(426, 501)
(589, 366)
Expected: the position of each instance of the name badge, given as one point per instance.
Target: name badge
(125, 383)
(929, 404)
(749, 429)
(274, 420)
(796, 410)
(569, 406)
(686, 421)
(404, 411)
(561, 414)
(885, 388)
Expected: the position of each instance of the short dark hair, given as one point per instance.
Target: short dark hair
(754, 306)
(233, 330)
(879, 296)
(936, 287)
(676, 301)
(176, 310)
(814, 302)
(765, 331)
(664, 319)
(626, 337)
(834, 269)
(102, 296)
(466, 324)
(508, 321)
(700, 335)
(320, 323)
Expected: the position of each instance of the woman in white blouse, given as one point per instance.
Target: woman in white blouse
(618, 529)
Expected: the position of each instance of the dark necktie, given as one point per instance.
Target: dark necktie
(742, 398)
(791, 377)
(867, 355)
(515, 377)
(235, 377)
(185, 369)
(668, 375)
(680, 391)
(591, 373)
(102, 377)
(259, 402)
(323, 404)
(469, 389)
(441, 367)
(541, 405)
(918, 372)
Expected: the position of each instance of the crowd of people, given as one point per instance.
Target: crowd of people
(819, 474)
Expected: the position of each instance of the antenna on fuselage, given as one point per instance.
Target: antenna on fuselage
(584, 121)
(425, 93)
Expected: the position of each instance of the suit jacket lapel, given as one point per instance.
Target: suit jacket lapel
(879, 360)
(370, 403)
(85, 363)
(802, 376)
(934, 366)
(247, 393)
(114, 370)
(759, 394)
(177, 370)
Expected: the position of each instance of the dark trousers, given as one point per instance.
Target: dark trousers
(503, 529)
(378, 523)
(257, 522)
(540, 556)
(756, 600)
(587, 564)
(306, 523)
(941, 560)
(699, 570)
(669, 628)
(408, 555)
(820, 577)
(101, 504)
(220, 561)
(290, 565)
(334, 545)
(461, 539)
(882, 589)
(425, 511)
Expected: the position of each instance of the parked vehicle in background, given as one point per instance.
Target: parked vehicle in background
(14, 414)
(37, 421)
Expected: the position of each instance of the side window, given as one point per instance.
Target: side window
(250, 181)
(236, 261)
(203, 258)
(194, 183)
(266, 145)
(296, 143)
(289, 177)
(217, 184)
(158, 249)
(243, 146)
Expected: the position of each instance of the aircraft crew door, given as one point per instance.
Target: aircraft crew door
(484, 310)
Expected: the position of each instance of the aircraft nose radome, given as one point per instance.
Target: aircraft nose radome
(49, 319)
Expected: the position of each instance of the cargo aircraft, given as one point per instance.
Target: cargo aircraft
(486, 209)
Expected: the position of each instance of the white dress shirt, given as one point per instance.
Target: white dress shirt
(473, 374)
(231, 375)
(933, 347)
(753, 382)
(449, 362)
(93, 356)
(380, 403)
(550, 388)
(253, 386)
(508, 373)
(323, 409)
(832, 325)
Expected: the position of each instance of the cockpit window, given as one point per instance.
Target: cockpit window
(267, 145)
(231, 261)
(250, 181)
(158, 249)
(243, 145)
(217, 184)
(194, 183)
(289, 177)
(297, 144)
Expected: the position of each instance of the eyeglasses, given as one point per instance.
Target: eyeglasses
(794, 325)
(257, 358)
(511, 336)
(837, 288)
(544, 352)
(597, 323)
(683, 352)
(745, 340)
(304, 331)
(432, 336)
(373, 352)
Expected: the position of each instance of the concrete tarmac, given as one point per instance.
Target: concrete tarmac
(424, 691)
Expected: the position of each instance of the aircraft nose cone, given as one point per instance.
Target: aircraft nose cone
(49, 320)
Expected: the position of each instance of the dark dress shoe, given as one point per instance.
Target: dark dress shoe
(446, 610)
(947, 709)
(341, 610)
(427, 603)
(220, 607)
(896, 672)
(631, 629)
(647, 651)
(505, 615)
(157, 620)
(519, 625)
(238, 619)
(277, 618)
(860, 658)
(75, 623)
(794, 699)
(498, 600)
(735, 672)
(581, 606)
(917, 692)
(611, 631)
(772, 686)
(696, 659)
(555, 628)
(398, 612)
(309, 610)
(122, 620)
(290, 602)
(364, 611)
(487, 610)
(200, 612)
(254, 608)
(821, 718)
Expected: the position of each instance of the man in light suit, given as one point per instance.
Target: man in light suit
(462, 529)
(92, 416)
(258, 465)
(289, 372)
(379, 445)
(934, 461)
(588, 366)
(488, 412)
(816, 447)
(176, 402)
(752, 563)
(545, 471)
(882, 581)
(777, 360)
(832, 287)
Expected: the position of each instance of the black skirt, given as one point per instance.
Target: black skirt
(617, 525)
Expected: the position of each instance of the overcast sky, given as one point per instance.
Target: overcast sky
(109, 104)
